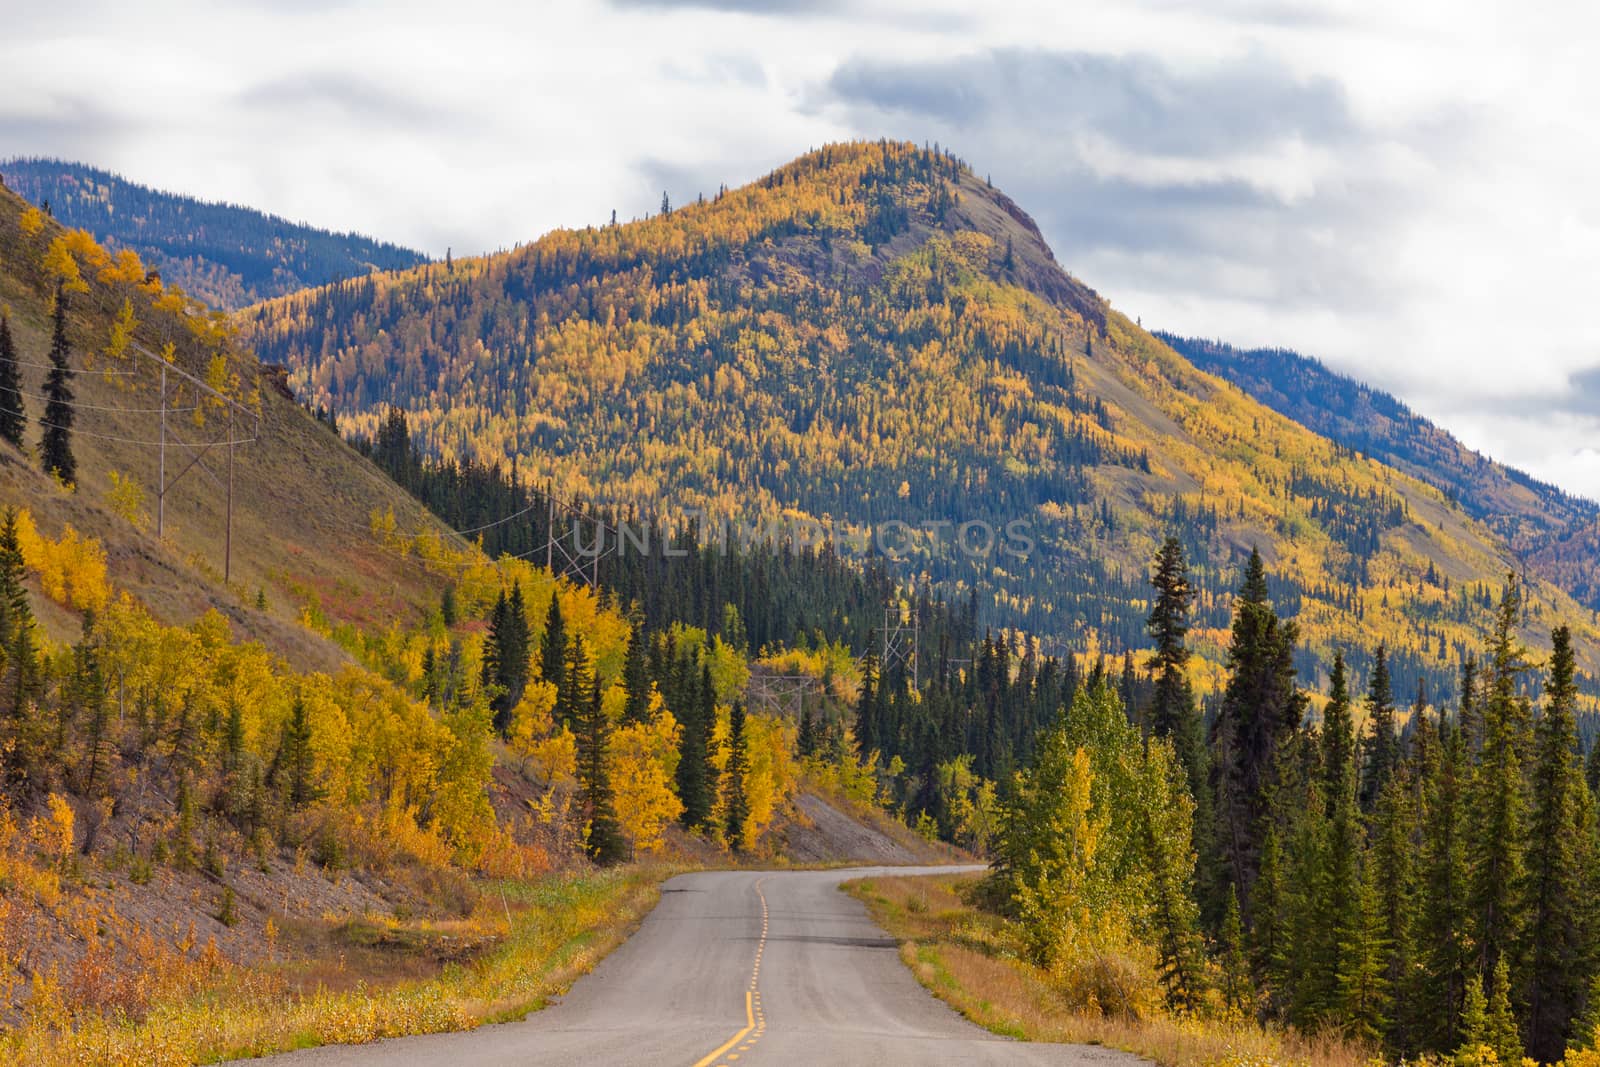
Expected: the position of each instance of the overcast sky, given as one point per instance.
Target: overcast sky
(1410, 195)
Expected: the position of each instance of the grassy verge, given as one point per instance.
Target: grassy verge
(559, 928)
(965, 957)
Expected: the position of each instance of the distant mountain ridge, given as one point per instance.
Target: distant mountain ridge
(225, 254)
(1553, 532)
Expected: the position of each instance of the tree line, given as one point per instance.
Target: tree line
(1424, 879)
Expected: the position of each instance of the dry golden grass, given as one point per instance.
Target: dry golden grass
(561, 926)
(966, 958)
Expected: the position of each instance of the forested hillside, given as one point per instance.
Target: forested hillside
(1553, 533)
(224, 254)
(873, 334)
(331, 710)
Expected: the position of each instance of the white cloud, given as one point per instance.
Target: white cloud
(1406, 192)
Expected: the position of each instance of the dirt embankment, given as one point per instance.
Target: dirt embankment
(820, 832)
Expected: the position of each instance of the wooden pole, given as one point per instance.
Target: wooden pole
(227, 540)
(161, 490)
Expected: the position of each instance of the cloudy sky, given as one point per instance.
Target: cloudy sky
(1410, 195)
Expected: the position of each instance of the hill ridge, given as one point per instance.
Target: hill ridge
(873, 330)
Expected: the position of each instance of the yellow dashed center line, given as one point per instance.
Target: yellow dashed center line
(755, 1023)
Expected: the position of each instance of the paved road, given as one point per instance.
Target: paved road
(743, 969)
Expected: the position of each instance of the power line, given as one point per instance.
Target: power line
(99, 407)
(129, 440)
(102, 373)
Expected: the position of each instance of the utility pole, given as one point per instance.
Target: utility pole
(227, 541)
(161, 490)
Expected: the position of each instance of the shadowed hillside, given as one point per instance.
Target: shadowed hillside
(225, 254)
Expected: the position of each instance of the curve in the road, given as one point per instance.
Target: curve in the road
(734, 969)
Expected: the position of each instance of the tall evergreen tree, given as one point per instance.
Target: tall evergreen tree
(604, 842)
(295, 761)
(806, 739)
(866, 724)
(636, 677)
(1338, 739)
(1554, 970)
(735, 795)
(1259, 708)
(1444, 941)
(505, 659)
(1237, 988)
(1497, 802)
(553, 645)
(1173, 713)
(92, 710)
(55, 451)
(1502, 1032)
(1470, 719)
(1382, 745)
(695, 774)
(1395, 839)
(13, 415)
(21, 677)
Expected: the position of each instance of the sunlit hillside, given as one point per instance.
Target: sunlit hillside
(873, 333)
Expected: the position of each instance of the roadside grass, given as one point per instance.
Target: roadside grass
(966, 957)
(560, 926)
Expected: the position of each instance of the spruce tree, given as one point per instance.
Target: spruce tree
(1172, 713)
(1444, 931)
(1382, 746)
(695, 781)
(493, 642)
(1350, 995)
(1269, 930)
(1395, 839)
(806, 740)
(1586, 1028)
(1502, 1035)
(295, 759)
(514, 650)
(1473, 1025)
(735, 799)
(13, 415)
(1338, 739)
(92, 707)
(1553, 895)
(22, 675)
(1497, 803)
(55, 450)
(636, 677)
(553, 645)
(866, 724)
(1237, 988)
(1260, 707)
(1469, 719)
(604, 842)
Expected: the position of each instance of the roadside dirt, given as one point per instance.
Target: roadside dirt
(819, 832)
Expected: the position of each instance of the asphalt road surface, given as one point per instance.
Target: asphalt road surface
(736, 968)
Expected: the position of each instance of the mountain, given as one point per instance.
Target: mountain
(872, 339)
(301, 543)
(226, 255)
(1553, 533)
